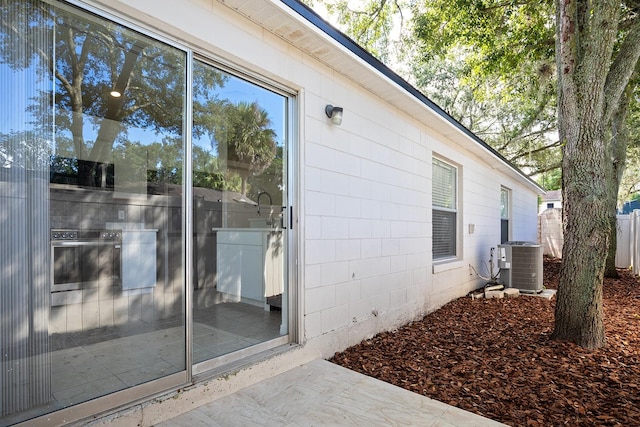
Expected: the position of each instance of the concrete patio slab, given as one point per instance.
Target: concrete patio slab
(321, 393)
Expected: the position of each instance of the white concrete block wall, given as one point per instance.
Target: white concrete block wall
(378, 217)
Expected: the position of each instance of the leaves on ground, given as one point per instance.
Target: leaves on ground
(495, 358)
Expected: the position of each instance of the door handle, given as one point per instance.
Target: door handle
(286, 217)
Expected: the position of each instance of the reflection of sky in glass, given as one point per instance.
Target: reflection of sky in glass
(18, 89)
(236, 90)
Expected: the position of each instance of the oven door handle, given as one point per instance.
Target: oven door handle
(77, 244)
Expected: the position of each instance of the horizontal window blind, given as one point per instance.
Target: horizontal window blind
(444, 185)
(444, 234)
(444, 209)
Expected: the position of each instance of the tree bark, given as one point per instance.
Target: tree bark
(578, 313)
(585, 35)
(618, 155)
(595, 62)
(610, 269)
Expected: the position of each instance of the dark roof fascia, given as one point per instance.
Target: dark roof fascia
(315, 19)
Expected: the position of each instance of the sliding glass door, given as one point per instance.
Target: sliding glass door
(118, 184)
(92, 286)
(240, 212)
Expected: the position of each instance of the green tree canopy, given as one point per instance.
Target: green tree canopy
(244, 138)
(489, 64)
(108, 79)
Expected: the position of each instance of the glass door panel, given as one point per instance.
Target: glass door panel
(239, 176)
(115, 208)
(91, 199)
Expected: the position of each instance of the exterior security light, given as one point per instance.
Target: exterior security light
(334, 113)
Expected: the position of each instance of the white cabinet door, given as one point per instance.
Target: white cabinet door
(273, 264)
(138, 259)
(240, 265)
(229, 261)
(252, 262)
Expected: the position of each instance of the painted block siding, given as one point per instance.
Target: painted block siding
(363, 200)
(367, 215)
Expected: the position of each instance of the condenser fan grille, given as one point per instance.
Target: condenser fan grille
(521, 266)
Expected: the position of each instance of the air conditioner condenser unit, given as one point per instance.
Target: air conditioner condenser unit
(520, 265)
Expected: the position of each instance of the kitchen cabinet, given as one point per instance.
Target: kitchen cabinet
(138, 259)
(249, 269)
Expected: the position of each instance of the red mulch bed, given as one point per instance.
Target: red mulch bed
(495, 358)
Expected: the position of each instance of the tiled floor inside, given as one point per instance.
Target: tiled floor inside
(93, 363)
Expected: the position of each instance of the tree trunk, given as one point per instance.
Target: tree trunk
(578, 313)
(618, 156)
(584, 46)
(610, 269)
(110, 126)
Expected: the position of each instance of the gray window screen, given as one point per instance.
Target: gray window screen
(444, 209)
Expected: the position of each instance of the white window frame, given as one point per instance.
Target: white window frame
(444, 209)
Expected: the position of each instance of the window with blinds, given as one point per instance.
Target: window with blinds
(445, 209)
(504, 215)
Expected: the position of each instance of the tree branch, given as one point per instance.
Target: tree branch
(522, 153)
(549, 168)
(622, 69)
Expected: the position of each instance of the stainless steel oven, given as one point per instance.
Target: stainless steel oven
(82, 259)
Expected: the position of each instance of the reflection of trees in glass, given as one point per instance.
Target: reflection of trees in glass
(207, 171)
(270, 180)
(91, 59)
(21, 149)
(245, 140)
(162, 161)
(21, 145)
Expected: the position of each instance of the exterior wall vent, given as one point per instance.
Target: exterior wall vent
(520, 265)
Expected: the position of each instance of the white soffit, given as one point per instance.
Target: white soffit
(277, 18)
